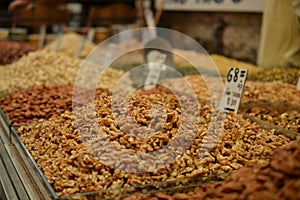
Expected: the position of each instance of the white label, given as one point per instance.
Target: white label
(298, 84)
(155, 61)
(214, 5)
(153, 75)
(80, 47)
(233, 90)
(58, 41)
(42, 36)
(156, 56)
(91, 34)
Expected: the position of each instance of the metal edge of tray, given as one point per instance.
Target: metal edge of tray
(26, 173)
(170, 187)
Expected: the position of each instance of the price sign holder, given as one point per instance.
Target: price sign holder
(233, 90)
(298, 84)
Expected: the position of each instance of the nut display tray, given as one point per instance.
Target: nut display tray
(35, 185)
(24, 179)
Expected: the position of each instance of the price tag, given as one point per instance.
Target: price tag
(298, 84)
(42, 36)
(80, 46)
(153, 76)
(156, 56)
(233, 90)
(91, 34)
(156, 61)
(58, 38)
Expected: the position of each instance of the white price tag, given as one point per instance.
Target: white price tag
(156, 61)
(233, 90)
(58, 41)
(80, 46)
(91, 34)
(156, 56)
(42, 36)
(153, 75)
(298, 84)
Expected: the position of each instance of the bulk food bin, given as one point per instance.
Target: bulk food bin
(21, 177)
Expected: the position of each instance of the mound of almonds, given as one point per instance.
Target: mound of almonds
(12, 51)
(76, 157)
(69, 44)
(48, 68)
(41, 102)
(278, 179)
(285, 74)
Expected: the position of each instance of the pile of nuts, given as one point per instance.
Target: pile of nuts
(285, 74)
(69, 44)
(289, 120)
(152, 136)
(12, 51)
(185, 59)
(278, 179)
(274, 91)
(69, 153)
(40, 102)
(48, 68)
(223, 63)
(253, 91)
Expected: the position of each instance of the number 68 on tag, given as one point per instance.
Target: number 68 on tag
(233, 90)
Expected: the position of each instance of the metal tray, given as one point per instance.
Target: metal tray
(21, 178)
(25, 180)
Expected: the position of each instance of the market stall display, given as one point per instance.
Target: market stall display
(70, 168)
(36, 95)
